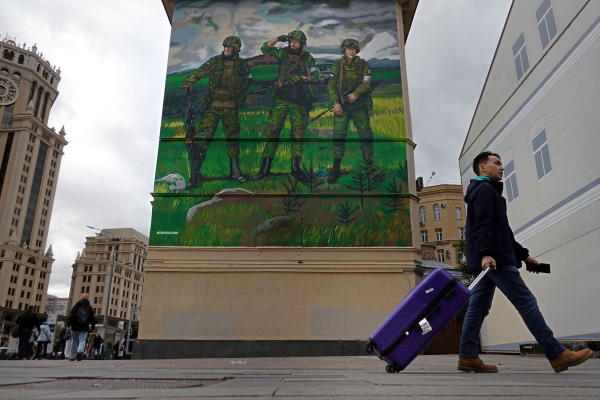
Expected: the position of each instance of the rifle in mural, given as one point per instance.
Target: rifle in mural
(286, 83)
(190, 132)
(376, 83)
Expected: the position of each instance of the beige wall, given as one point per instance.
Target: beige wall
(265, 294)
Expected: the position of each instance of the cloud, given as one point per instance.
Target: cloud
(113, 72)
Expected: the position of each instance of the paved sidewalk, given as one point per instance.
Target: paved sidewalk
(292, 378)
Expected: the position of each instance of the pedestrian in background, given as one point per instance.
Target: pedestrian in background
(26, 322)
(97, 346)
(491, 244)
(44, 338)
(80, 319)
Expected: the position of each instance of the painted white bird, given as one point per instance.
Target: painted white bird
(178, 182)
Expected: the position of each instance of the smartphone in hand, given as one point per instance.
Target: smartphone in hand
(543, 268)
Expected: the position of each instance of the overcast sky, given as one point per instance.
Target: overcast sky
(114, 59)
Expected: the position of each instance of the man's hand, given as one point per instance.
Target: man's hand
(185, 86)
(532, 260)
(282, 38)
(352, 97)
(337, 109)
(485, 263)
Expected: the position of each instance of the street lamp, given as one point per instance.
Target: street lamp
(112, 268)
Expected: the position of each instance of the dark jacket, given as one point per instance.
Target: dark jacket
(63, 332)
(73, 323)
(97, 342)
(28, 320)
(488, 232)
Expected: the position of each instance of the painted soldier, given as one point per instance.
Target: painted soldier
(229, 78)
(351, 72)
(293, 97)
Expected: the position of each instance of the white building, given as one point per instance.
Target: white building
(540, 110)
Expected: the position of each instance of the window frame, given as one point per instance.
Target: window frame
(441, 252)
(438, 214)
(426, 235)
(524, 72)
(534, 132)
(544, 18)
(441, 235)
(458, 213)
(424, 209)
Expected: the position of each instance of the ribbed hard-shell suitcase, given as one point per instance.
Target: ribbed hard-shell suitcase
(419, 318)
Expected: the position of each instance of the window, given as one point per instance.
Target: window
(8, 55)
(461, 233)
(440, 255)
(546, 23)
(510, 176)
(541, 151)
(438, 234)
(21, 59)
(437, 215)
(458, 212)
(424, 238)
(520, 57)
(422, 214)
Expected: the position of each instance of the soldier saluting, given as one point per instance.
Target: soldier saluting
(347, 73)
(293, 97)
(229, 78)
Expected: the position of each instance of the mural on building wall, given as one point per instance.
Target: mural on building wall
(282, 125)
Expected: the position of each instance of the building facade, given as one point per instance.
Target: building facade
(30, 158)
(539, 111)
(442, 220)
(289, 252)
(57, 305)
(91, 272)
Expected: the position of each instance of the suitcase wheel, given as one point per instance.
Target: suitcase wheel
(369, 348)
(393, 369)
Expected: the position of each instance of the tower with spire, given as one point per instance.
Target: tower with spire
(30, 159)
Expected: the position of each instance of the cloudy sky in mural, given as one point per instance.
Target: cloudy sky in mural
(114, 59)
(372, 23)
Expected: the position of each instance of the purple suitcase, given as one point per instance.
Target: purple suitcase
(418, 319)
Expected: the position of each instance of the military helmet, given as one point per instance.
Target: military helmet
(350, 43)
(297, 35)
(233, 41)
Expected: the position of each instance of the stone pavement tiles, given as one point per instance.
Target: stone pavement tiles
(293, 378)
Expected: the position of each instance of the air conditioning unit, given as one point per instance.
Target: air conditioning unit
(443, 205)
(422, 223)
(447, 253)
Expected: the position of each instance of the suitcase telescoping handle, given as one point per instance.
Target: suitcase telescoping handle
(480, 277)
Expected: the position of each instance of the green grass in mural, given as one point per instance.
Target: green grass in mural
(233, 223)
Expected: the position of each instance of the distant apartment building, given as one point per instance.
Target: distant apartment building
(30, 158)
(539, 110)
(56, 305)
(91, 271)
(442, 221)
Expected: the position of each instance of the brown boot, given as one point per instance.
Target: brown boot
(474, 365)
(570, 359)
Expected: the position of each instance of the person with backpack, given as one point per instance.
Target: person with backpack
(78, 324)
(44, 338)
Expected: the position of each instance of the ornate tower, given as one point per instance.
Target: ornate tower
(30, 157)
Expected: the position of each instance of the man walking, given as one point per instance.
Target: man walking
(26, 321)
(80, 319)
(491, 244)
(293, 96)
(350, 72)
(229, 78)
(97, 346)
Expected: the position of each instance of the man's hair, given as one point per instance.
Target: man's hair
(30, 308)
(482, 158)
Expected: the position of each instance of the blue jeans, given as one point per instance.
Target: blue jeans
(509, 281)
(78, 342)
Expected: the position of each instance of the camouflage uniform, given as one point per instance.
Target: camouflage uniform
(293, 99)
(343, 77)
(229, 79)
